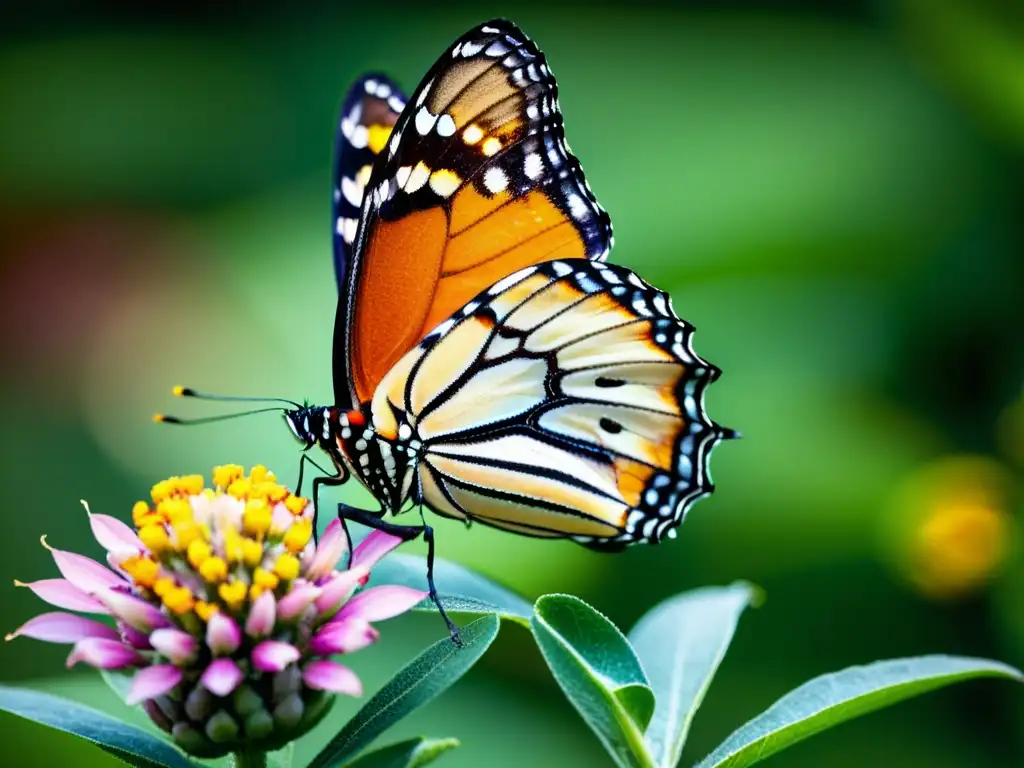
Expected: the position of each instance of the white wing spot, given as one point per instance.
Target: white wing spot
(495, 180)
(360, 137)
(471, 49)
(445, 125)
(424, 121)
(352, 191)
(417, 178)
(578, 208)
(533, 166)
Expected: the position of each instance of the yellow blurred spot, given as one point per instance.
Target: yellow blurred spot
(162, 490)
(239, 488)
(159, 418)
(255, 591)
(191, 485)
(178, 391)
(472, 134)
(213, 569)
(298, 535)
(186, 534)
(179, 600)
(143, 570)
(287, 566)
(295, 504)
(950, 529)
(226, 474)
(252, 552)
(139, 512)
(264, 578)
(260, 474)
(377, 137)
(233, 593)
(198, 552)
(205, 610)
(163, 585)
(154, 537)
(175, 510)
(257, 517)
(232, 545)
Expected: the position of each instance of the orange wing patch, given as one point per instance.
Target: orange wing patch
(392, 304)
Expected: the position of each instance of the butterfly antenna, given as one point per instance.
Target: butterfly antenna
(189, 392)
(163, 418)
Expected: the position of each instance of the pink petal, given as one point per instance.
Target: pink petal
(298, 600)
(339, 588)
(273, 655)
(60, 627)
(151, 682)
(114, 536)
(134, 638)
(63, 594)
(104, 654)
(86, 574)
(222, 635)
(342, 637)
(378, 603)
(333, 544)
(132, 610)
(373, 548)
(221, 677)
(179, 647)
(262, 615)
(331, 676)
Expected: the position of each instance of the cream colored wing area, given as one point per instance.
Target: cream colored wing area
(492, 394)
(447, 360)
(529, 452)
(524, 497)
(644, 385)
(645, 436)
(435, 497)
(592, 315)
(632, 342)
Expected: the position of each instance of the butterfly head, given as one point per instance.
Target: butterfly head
(306, 423)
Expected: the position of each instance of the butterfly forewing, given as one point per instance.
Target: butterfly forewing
(369, 112)
(475, 183)
(565, 401)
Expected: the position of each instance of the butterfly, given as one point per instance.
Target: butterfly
(489, 365)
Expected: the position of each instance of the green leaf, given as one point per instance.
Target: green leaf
(406, 754)
(126, 742)
(599, 673)
(460, 589)
(283, 757)
(681, 642)
(831, 699)
(119, 682)
(427, 676)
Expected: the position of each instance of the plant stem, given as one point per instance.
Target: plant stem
(249, 759)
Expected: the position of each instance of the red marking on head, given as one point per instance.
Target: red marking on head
(356, 418)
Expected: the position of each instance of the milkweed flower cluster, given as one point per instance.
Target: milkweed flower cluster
(224, 608)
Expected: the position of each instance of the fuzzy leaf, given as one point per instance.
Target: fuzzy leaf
(831, 699)
(126, 742)
(427, 676)
(680, 643)
(599, 673)
(414, 753)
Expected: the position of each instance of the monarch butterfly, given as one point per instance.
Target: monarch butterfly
(488, 364)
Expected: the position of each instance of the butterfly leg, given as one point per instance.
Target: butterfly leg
(318, 483)
(406, 533)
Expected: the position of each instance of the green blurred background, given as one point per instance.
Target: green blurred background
(832, 193)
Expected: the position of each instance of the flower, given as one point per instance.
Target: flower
(223, 607)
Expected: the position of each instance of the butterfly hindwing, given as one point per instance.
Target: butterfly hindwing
(368, 113)
(476, 182)
(565, 401)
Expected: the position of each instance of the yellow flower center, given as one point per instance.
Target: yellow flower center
(213, 549)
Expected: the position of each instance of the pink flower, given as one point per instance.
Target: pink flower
(219, 593)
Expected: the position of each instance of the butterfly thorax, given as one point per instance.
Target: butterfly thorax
(384, 463)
